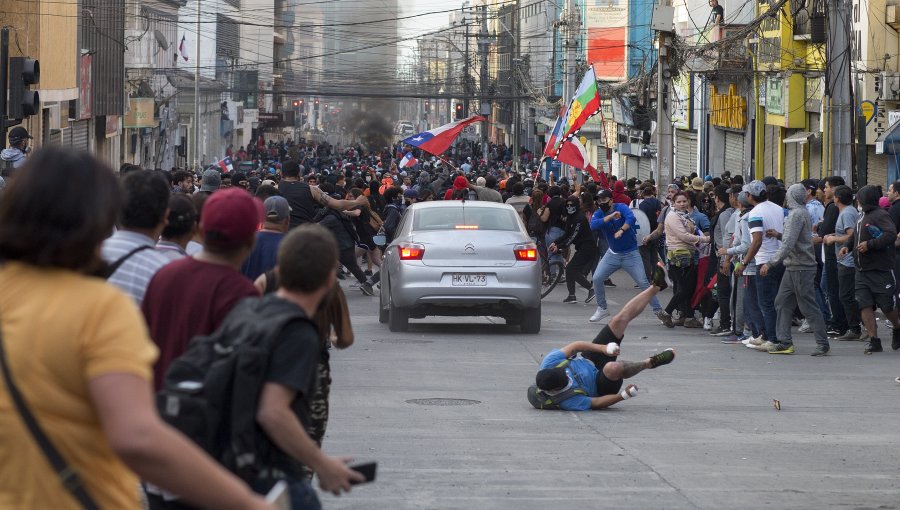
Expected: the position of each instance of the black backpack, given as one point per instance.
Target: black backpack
(540, 399)
(211, 392)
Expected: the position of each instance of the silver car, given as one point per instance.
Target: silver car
(461, 258)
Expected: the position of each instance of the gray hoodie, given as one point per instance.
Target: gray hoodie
(796, 252)
(12, 154)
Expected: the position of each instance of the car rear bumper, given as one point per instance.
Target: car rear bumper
(507, 288)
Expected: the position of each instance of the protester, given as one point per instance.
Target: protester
(78, 352)
(578, 234)
(681, 250)
(265, 250)
(844, 229)
(15, 156)
(181, 225)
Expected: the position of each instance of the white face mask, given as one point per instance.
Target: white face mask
(859, 208)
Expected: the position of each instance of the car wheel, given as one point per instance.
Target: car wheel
(398, 318)
(531, 321)
(382, 310)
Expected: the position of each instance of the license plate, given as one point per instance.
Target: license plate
(469, 280)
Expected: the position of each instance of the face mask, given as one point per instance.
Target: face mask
(571, 210)
(605, 207)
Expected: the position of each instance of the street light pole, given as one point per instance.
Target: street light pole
(197, 94)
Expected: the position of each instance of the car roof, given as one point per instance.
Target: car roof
(459, 203)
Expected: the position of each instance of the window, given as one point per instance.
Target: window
(465, 218)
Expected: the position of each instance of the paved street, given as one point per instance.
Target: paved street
(702, 433)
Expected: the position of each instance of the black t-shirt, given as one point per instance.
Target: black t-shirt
(293, 365)
(557, 208)
(829, 220)
(717, 14)
(299, 197)
(651, 207)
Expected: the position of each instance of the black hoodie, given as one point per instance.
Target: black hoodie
(880, 252)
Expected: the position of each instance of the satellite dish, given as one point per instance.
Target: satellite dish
(161, 40)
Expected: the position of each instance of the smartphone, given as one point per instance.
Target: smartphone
(280, 496)
(367, 470)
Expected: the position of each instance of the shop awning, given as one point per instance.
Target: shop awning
(892, 137)
(801, 137)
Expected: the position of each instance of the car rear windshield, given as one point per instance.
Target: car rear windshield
(465, 218)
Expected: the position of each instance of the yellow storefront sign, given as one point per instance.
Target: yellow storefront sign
(140, 113)
(727, 110)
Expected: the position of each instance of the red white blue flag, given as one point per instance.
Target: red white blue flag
(226, 165)
(408, 160)
(182, 48)
(438, 140)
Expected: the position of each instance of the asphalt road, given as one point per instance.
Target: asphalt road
(702, 433)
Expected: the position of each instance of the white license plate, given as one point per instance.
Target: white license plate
(469, 280)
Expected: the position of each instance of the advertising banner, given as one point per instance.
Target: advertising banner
(606, 22)
(140, 113)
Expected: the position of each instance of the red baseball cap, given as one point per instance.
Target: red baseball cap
(230, 218)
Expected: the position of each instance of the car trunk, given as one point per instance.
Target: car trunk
(468, 248)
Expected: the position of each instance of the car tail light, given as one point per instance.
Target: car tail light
(411, 251)
(467, 227)
(527, 252)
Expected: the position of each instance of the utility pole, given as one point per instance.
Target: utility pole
(516, 69)
(837, 53)
(483, 46)
(197, 94)
(466, 67)
(665, 143)
(4, 83)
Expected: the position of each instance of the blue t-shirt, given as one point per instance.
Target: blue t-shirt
(263, 256)
(585, 377)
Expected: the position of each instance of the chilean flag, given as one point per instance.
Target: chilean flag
(183, 49)
(573, 153)
(439, 139)
(226, 165)
(408, 160)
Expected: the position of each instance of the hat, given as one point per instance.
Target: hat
(481, 181)
(268, 182)
(230, 218)
(755, 188)
(884, 202)
(697, 184)
(411, 193)
(17, 134)
(210, 181)
(277, 209)
(708, 178)
(810, 184)
(460, 182)
(770, 181)
(604, 193)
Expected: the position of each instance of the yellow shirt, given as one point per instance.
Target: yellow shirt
(60, 330)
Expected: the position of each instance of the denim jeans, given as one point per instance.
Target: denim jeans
(303, 496)
(610, 263)
(552, 235)
(752, 314)
(821, 299)
(766, 291)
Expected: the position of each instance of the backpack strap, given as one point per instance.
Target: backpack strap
(112, 268)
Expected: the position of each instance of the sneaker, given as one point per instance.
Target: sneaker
(795, 322)
(756, 341)
(570, 299)
(660, 278)
(782, 348)
(367, 272)
(874, 345)
(665, 318)
(821, 350)
(720, 331)
(764, 347)
(806, 327)
(599, 315)
(895, 339)
(366, 289)
(693, 323)
(355, 286)
(590, 296)
(833, 332)
(731, 339)
(663, 358)
(850, 335)
(678, 322)
(609, 284)
(707, 324)
(897, 380)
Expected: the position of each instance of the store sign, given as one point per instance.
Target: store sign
(775, 95)
(868, 110)
(112, 125)
(85, 89)
(140, 113)
(727, 110)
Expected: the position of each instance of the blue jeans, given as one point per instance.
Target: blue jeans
(752, 315)
(821, 300)
(766, 290)
(303, 496)
(554, 233)
(611, 262)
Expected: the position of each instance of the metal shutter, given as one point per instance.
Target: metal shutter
(644, 169)
(734, 152)
(80, 131)
(815, 148)
(56, 137)
(631, 167)
(792, 159)
(685, 152)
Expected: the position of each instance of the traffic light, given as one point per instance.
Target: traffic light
(23, 102)
(460, 115)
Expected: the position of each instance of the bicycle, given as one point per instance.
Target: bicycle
(551, 270)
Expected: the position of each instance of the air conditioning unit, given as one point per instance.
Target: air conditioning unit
(890, 87)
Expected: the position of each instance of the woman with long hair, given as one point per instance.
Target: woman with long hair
(682, 238)
(80, 356)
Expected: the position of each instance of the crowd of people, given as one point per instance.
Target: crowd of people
(197, 252)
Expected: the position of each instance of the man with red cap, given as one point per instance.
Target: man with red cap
(192, 296)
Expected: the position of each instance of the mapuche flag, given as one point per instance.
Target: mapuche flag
(585, 104)
(439, 139)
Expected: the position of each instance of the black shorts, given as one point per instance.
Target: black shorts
(604, 385)
(875, 288)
